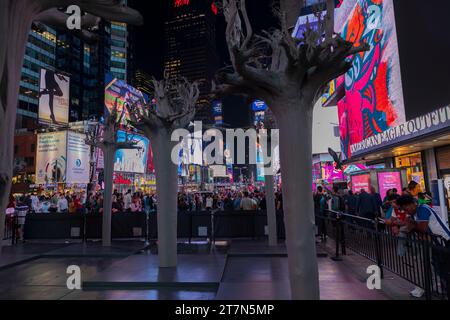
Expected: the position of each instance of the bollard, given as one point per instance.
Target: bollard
(337, 240)
(427, 269)
(378, 249)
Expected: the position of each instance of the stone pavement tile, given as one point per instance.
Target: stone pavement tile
(95, 249)
(159, 294)
(33, 293)
(248, 247)
(144, 268)
(393, 286)
(28, 248)
(254, 278)
(255, 269)
(278, 290)
(7, 260)
(50, 272)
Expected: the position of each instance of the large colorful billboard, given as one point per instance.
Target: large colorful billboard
(118, 93)
(54, 93)
(131, 160)
(373, 101)
(51, 157)
(78, 158)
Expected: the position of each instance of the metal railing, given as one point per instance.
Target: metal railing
(421, 259)
(11, 228)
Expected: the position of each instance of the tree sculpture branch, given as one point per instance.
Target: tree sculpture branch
(175, 106)
(104, 135)
(312, 60)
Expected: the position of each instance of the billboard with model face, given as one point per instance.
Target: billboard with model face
(132, 160)
(54, 93)
(51, 157)
(373, 101)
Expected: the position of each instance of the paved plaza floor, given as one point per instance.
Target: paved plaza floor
(235, 270)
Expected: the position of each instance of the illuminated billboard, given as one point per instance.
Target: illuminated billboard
(373, 101)
(360, 182)
(389, 180)
(51, 157)
(54, 90)
(78, 158)
(131, 160)
(118, 93)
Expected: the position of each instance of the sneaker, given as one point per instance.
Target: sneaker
(417, 292)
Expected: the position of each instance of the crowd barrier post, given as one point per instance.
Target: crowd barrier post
(427, 269)
(338, 239)
(378, 248)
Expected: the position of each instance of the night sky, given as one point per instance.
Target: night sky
(148, 41)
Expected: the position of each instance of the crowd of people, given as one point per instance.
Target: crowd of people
(82, 202)
(404, 214)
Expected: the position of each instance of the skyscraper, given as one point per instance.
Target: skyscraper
(143, 82)
(191, 47)
(40, 53)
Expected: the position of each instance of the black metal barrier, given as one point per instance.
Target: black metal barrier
(202, 224)
(11, 228)
(420, 259)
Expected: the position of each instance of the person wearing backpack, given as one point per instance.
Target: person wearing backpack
(426, 221)
(337, 203)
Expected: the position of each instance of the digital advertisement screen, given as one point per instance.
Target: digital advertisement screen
(51, 157)
(259, 105)
(132, 160)
(360, 182)
(330, 174)
(373, 100)
(389, 180)
(54, 98)
(121, 95)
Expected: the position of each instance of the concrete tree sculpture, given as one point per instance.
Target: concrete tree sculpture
(16, 17)
(104, 136)
(174, 109)
(289, 74)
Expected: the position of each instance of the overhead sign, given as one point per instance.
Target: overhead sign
(426, 124)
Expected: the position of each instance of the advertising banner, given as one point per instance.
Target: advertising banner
(373, 101)
(78, 156)
(360, 182)
(51, 157)
(119, 94)
(389, 180)
(54, 92)
(133, 160)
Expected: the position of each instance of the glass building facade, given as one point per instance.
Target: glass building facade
(40, 53)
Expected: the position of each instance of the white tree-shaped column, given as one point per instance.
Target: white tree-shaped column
(104, 137)
(174, 109)
(290, 79)
(16, 17)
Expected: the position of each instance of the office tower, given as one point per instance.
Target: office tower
(39, 53)
(191, 47)
(143, 82)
